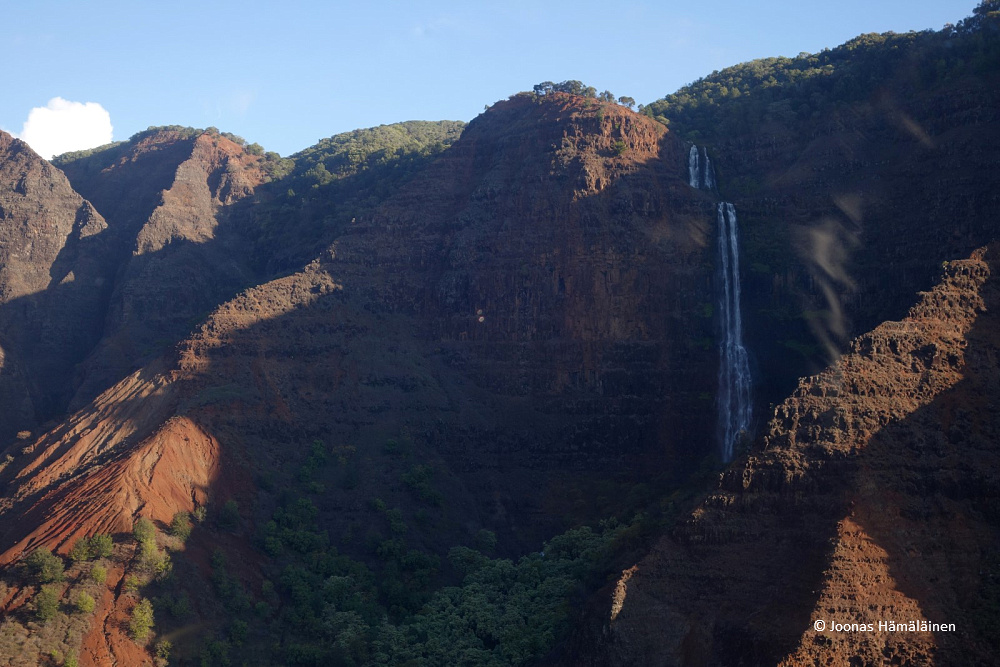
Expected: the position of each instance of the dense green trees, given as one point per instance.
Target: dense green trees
(787, 90)
(45, 566)
(88, 548)
(574, 87)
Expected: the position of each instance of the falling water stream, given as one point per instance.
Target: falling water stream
(735, 410)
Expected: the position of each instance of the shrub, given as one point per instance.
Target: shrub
(81, 550)
(199, 513)
(486, 541)
(418, 480)
(163, 649)
(47, 604)
(99, 574)
(143, 530)
(45, 566)
(85, 603)
(180, 525)
(141, 623)
(132, 583)
(101, 546)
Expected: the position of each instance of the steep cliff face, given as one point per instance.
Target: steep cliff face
(834, 204)
(522, 317)
(168, 196)
(88, 299)
(512, 308)
(840, 515)
(554, 255)
(53, 285)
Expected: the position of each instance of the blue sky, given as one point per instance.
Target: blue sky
(286, 74)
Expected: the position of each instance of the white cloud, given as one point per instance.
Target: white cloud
(63, 126)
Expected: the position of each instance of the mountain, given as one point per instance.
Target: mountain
(840, 515)
(457, 348)
(445, 393)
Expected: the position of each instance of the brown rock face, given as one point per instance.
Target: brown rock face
(177, 257)
(53, 285)
(74, 284)
(534, 287)
(840, 515)
(830, 207)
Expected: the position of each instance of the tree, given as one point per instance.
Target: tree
(81, 550)
(180, 525)
(571, 86)
(47, 603)
(85, 603)
(606, 96)
(163, 648)
(143, 530)
(99, 574)
(45, 566)
(626, 101)
(101, 546)
(544, 88)
(141, 623)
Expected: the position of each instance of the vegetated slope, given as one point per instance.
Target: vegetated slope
(519, 324)
(872, 498)
(843, 166)
(340, 179)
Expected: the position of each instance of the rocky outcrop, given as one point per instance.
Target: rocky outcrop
(838, 515)
(177, 258)
(54, 284)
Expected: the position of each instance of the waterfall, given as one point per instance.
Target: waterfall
(694, 174)
(700, 172)
(735, 409)
(708, 182)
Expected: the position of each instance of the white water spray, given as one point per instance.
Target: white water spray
(700, 172)
(694, 173)
(735, 408)
(708, 182)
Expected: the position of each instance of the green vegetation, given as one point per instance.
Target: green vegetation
(45, 566)
(339, 180)
(162, 649)
(143, 531)
(101, 546)
(180, 525)
(141, 622)
(782, 90)
(320, 606)
(84, 603)
(99, 574)
(90, 548)
(229, 516)
(574, 87)
(418, 481)
(47, 603)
